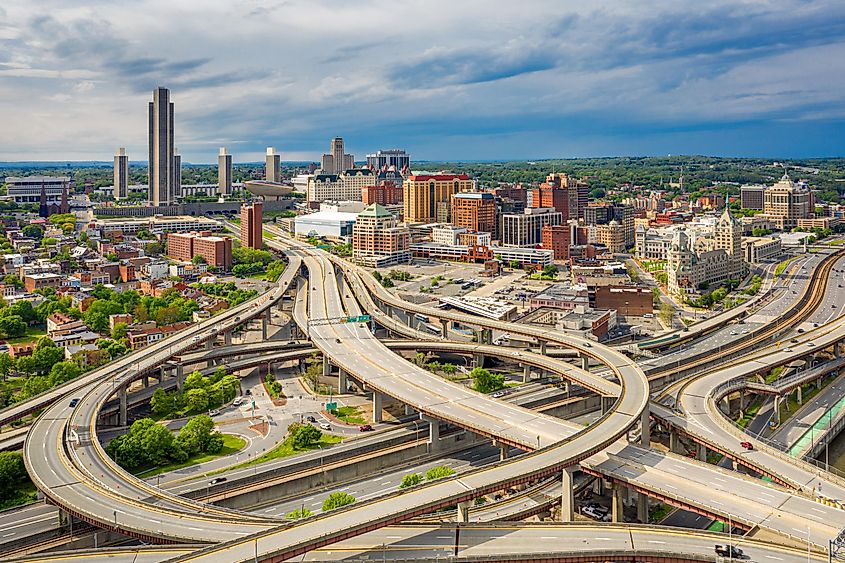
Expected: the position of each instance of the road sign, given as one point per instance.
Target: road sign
(331, 406)
(358, 319)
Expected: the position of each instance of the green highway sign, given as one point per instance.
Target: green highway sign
(358, 319)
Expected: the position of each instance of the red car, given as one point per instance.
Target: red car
(747, 445)
(365, 428)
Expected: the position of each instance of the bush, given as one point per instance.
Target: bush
(439, 472)
(410, 480)
(305, 436)
(486, 382)
(336, 500)
(298, 514)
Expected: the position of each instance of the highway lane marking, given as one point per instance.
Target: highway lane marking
(656, 541)
(773, 557)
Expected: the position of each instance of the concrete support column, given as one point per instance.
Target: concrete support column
(409, 410)
(645, 428)
(327, 366)
(800, 394)
(819, 383)
(701, 455)
(837, 351)
(444, 328)
(504, 449)
(606, 403)
(674, 442)
(122, 395)
(342, 381)
(585, 362)
(180, 376)
(463, 511)
(227, 338)
(526, 373)
(617, 508)
(263, 328)
(778, 400)
(642, 508)
(478, 360)
(543, 347)
(269, 315)
(377, 406)
(145, 381)
(567, 496)
(209, 344)
(433, 431)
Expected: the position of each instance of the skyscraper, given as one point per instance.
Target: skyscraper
(273, 166)
(251, 226)
(162, 173)
(224, 172)
(121, 174)
(396, 158)
(177, 175)
(337, 160)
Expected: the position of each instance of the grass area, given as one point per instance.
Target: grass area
(808, 391)
(32, 334)
(268, 235)
(749, 413)
(24, 494)
(658, 512)
(231, 444)
(782, 266)
(774, 374)
(512, 384)
(286, 449)
(717, 526)
(350, 415)
(837, 242)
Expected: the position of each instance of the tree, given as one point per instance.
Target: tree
(6, 364)
(514, 264)
(12, 279)
(119, 331)
(63, 372)
(196, 435)
(12, 326)
(438, 472)
(336, 500)
(387, 282)
(550, 271)
(33, 231)
(46, 354)
(298, 514)
(12, 472)
(410, 480)
(163, 403)
(448, 369)
(485, 381)
(157, 444)
(199, 259)
(666, 313)
(196, 400)
(307, 435)
(377, 276)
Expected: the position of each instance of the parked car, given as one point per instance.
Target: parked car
(238, 401)
(747, 445)
(498, 394)
(213, 412)
(594, 514)
(365, 428)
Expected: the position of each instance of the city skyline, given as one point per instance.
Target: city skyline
(552, 81)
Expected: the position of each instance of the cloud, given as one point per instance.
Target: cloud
(470, 79)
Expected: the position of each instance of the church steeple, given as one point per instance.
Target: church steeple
(64, 206)
(43, 211)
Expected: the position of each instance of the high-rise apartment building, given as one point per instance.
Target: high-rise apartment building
(551, 195)
(751, 196)
(121, 174)
(377, 240)
(336, 161)
(162, 172)
(273, 166)
(475, 211)
(396, 158)
(426, 198)
(526, 229)
(224, 172)
(786, 202)
(251, 225)
(386, 193)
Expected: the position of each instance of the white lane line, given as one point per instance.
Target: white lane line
(548, 537)
(655, 541)
(773, 557)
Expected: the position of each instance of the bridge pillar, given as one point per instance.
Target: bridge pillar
(63, 517)
(327, 365)
(642, 508)
(585, 362)
(526, 373)
(180, 376)
(504, 450)
(209, 344)
(674, 442)
(478, 360)
(800, 395)
(122, 395)
(543, 347)
(433, 431)
(617, 508)
(778, 401)
(837, 351)
(606, 403)
(701, 454)
(264, 328)
(819, 383)
(409, 410)
(227, 338)
(444, 328)
(342, 381)
(463, 511)
(567, 496)
(645, 428)
(145, 381)
(377, 406)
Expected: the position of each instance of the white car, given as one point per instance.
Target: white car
(595, 514)
(325, 426)
(238, 401)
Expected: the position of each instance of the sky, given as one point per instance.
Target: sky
(443, 79)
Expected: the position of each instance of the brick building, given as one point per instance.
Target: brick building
(216, 250)
(627, 300)
(557, 238)
(386, 193)
(251, 225)
(475, 211)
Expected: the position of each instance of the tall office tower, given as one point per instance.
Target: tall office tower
(224, 172)
(121, 174)
(251, 226)
(162, 175)
(397, 158)
(426, 198)
(177, 174)
(336, 161)
(273, 166)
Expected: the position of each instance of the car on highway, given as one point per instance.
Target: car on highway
(365, 428)
(499, 394)
(747, 445)
(217, 480)
(73, 402)
(213, 412)
(325, 426)
(729, 551)
(787, 349)
(337, 340)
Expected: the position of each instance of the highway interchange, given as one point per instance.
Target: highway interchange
(81, 478)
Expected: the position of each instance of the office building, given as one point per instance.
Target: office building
(28, 189)
(446, 234)
(427, 198)
(215, 250)
(474, 210)
(377, 241)
(395, 158)
(331, 187)
(162, 161)
(336, 161)
(558, 239)
(612, 236)
(177, 174)
(760, 249)
(751, 196)
(121, 174)
(386, 193)
(273, 166)
(787, 202)
(251, 225)
(551, 195)
(526, 229)
(224, 172)
(354, 180)
(157, 224)
(532, 257)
